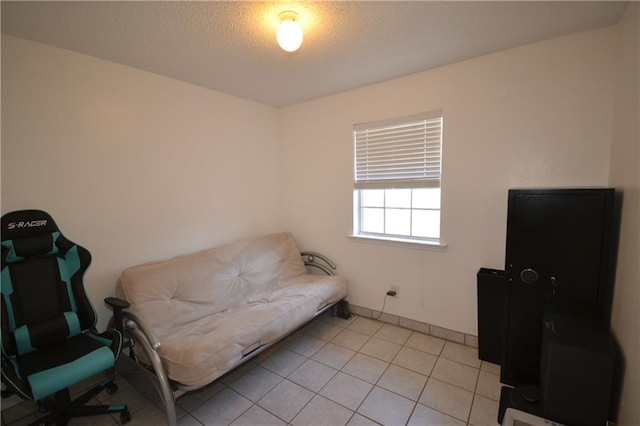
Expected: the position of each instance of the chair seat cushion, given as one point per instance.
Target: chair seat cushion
(64, 364)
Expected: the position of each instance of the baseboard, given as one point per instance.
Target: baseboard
(422, 327)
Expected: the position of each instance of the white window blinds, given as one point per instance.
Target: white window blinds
(401, 153)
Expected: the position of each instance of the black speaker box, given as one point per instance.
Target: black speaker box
(577, 368)
(491, 295)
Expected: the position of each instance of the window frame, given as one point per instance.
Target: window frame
(424, 177)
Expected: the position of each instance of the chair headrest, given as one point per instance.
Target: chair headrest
(28, 233)
(27, 223)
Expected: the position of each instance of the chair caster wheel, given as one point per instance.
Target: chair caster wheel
(125, 417)
(112, 388)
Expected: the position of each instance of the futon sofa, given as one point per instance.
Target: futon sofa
(195, 317)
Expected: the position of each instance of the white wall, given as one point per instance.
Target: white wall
(535, 116)
(138, 167)
(625, 176)
(131, 165)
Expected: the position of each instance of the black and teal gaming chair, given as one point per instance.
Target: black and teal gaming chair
(49, 341)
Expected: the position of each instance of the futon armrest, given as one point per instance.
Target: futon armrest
(127, 321)
(312, 258)
(142, 337)
(134, 324)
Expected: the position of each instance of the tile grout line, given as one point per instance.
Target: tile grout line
(429, 377)
(475, 390)
(390, 363)
(325, 343)
(369, 337)
(376, 384)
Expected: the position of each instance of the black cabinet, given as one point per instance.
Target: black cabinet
(577, 367)
(558, 259)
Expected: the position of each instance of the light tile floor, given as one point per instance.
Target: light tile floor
(332, 372)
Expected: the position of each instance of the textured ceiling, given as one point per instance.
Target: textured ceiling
(230, 46)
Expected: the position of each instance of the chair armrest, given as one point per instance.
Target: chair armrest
(311, 260)
(118, 305)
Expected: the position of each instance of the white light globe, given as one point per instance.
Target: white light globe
(289, 35)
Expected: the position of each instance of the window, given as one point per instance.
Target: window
(397, 178)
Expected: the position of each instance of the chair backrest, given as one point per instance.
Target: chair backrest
(43, 297)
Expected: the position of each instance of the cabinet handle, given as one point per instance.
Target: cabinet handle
(554, 285)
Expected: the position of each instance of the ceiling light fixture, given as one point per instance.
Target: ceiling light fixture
(289, 34)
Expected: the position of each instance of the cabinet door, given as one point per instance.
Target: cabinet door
(558, 244)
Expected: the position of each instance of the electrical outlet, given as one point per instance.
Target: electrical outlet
(396, 289)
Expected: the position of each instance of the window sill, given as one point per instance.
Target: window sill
(428, 245)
